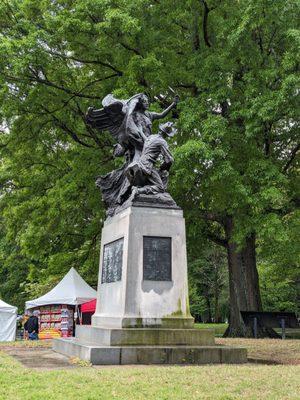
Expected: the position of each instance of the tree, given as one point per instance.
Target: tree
(208, 280)
(245, 139)
(279, 267)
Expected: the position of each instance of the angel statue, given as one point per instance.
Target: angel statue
(130, 123)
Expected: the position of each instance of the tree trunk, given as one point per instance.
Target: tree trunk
(217, 308)
(209, 318)
(244, 290)
(217, 318)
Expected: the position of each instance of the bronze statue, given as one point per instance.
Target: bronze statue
(130, 123)
(142, 174)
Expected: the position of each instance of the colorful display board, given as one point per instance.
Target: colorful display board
(56, 321)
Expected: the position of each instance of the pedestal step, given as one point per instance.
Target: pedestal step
(137, 322)
(120, 355)
(144, 336)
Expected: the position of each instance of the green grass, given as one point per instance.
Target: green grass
(267, 350)
(217, 382)
(219, 328)
(27, 343)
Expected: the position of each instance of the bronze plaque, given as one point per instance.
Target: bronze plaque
(112, 261)
(157, 258)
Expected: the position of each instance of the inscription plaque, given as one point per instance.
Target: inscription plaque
(157, 258)
(112, 261)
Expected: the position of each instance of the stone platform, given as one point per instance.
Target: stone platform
(108, 346)
(142, 314)
(144, 336)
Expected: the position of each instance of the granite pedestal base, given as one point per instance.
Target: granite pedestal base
(143, 270)
(107, 346)
(142, 314)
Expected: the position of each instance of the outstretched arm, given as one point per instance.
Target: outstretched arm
(166, 111)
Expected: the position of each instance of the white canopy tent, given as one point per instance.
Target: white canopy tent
(71, 290)
(8, 322)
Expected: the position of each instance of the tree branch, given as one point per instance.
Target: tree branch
(196, 38)
(97, 62)
(205, 20)
(127, 47)
(216, 239)
(293, 155)
(267, 139)
(69, 131)
(46, 82)
(72, 134)
(90, 130)
(211, 216)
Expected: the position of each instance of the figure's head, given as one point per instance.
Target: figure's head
(167, 129)
(140, 100)
(143, 102)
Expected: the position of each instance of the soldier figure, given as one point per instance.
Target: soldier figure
(142, 174)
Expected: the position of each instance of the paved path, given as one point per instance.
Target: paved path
(39, 358)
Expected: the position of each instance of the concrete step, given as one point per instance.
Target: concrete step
(120, 355)
(144, 336)
(180, 322)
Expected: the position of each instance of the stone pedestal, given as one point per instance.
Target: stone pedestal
(142, 313)
(138, 292)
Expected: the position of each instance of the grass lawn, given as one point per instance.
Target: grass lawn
(219, 328)
(26, 343)
(268, 351)
(217, 382)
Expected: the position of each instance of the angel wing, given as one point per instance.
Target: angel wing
(109, 118)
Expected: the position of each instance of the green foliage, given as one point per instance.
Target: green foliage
(208, 285)
(278, 294)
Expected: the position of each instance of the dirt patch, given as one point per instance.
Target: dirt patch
(39, 358)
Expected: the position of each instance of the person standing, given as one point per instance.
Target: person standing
(32, 326)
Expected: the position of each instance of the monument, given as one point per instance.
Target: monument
(142, 314)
